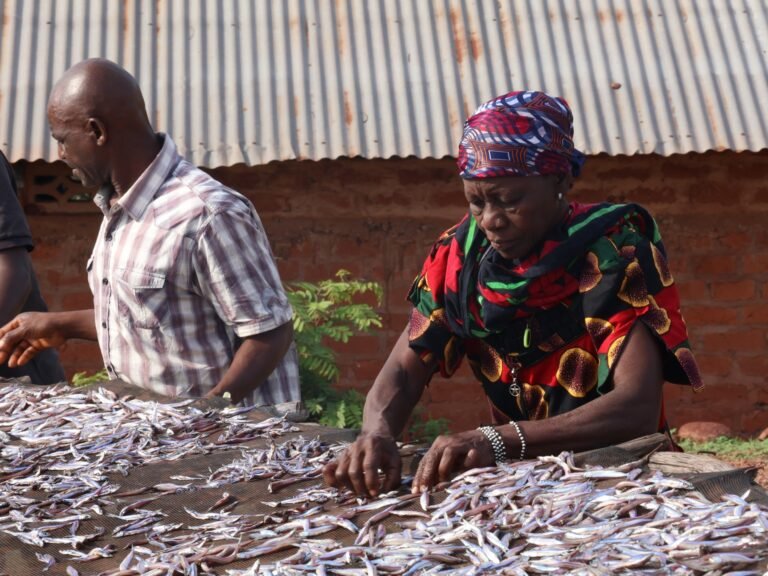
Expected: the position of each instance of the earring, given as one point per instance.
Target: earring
(559, 195)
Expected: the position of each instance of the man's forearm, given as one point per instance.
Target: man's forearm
(255, 359)
(76, 324)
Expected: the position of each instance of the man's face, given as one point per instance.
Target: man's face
(78, 145)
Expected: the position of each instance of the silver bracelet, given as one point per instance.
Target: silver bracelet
(497, 443)
(522, 438)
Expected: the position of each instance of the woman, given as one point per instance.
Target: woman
(567, 312)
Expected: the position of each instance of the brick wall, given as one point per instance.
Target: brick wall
(377, 218)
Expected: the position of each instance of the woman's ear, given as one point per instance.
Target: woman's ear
(564, 183)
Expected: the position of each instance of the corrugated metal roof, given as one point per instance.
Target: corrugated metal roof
(259, 80)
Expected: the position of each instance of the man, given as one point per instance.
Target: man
(18, 285)
(187, 298)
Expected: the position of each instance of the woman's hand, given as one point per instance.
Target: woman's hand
(358, 467)
(451, 454)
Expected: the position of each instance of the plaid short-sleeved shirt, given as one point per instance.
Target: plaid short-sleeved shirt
(181, 270)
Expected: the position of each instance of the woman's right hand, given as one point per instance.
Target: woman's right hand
(357, 468)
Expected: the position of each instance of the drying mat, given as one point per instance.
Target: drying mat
(251, 500)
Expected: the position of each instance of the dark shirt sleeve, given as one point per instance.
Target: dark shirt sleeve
(14, 231)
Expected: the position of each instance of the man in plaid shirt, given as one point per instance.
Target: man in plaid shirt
(187, 298)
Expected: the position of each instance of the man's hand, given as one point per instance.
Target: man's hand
(451, 454)
(358, 467)
(26, 335)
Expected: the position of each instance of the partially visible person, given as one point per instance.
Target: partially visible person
(19, 291)
(187, 297)
(567, 312)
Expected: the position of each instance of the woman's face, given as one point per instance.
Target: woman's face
(515, 212)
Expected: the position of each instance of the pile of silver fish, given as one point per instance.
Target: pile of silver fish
(542, 516)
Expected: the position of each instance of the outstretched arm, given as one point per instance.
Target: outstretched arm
(389, 404)
(30, 332)
(629, 410)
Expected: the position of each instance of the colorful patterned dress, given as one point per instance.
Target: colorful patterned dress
(542, 335)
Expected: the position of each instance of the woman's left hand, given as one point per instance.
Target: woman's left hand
(451, 454)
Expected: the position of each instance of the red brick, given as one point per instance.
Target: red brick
(736, 240)
(290, 269)
(416, 175)
(754, 420)
(736, 340)
(77, 301)
(270, 204)
(755, 313)
(357, 268)
(361, 346)
(693, 290)
(715, 265)
(654, 195)
(717, 192)
(731, 394)
(754, 365)
(714, 365)
(685, 167)
(396, 322)
(673, 393)
(747, 166)
(761, 194)
(704, 314)
(755, 263)
(730, 291)
(760, 399)
(626, 170)
(58, 279)
(581, 193)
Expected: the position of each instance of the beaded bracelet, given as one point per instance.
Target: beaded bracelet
(522, 438)
(497, 444)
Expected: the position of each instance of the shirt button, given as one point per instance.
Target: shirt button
(103, 324)
(109, 237)
(104, 281)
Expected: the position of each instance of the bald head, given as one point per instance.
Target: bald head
(100, 88)
(97, 115)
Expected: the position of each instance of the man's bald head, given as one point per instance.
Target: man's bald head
(97, 116)
(100, 88)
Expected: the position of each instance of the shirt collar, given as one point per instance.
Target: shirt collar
(140, 194)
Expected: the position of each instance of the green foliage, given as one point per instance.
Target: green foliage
(337, 409)
(736, 448)
(326, 312)
(425, 430)
(83, 378)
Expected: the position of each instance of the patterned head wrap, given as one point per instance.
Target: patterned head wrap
(519, 134)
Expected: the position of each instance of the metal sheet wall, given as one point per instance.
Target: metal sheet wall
(259, 80)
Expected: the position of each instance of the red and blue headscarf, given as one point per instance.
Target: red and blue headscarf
(519, 134)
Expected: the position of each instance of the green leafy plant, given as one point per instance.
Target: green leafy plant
(83, 378)
(737, 448)
(324, 312)
(425, 430)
